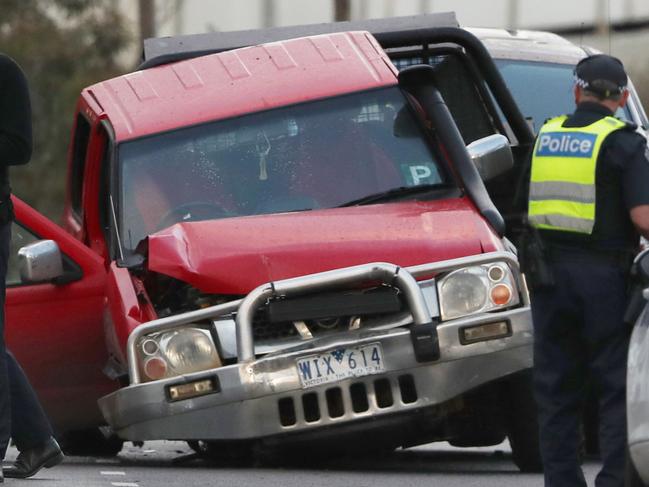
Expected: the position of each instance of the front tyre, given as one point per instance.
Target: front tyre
(232, 454)
(92, 442)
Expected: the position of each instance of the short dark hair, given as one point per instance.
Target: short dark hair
(602, 97)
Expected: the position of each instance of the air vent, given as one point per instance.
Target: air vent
(408, 389)
(335, 403)
(358, 392)
(286, 411)
(383, 393)
(311, 407)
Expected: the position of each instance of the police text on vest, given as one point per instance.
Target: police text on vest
(563, 144)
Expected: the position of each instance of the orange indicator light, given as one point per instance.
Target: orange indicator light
(501, 294)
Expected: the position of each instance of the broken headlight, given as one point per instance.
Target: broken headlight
(177, 352)
(476, 289)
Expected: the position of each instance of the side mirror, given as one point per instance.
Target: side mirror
(40, 262)
(491, 155)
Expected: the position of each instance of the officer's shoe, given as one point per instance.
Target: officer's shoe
(30, 461)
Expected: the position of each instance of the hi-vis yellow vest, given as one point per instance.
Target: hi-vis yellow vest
(562, 183)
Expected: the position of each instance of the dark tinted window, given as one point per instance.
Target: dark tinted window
(542, 90)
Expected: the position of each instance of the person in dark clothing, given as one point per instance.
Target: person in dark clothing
(589, 201)
(21, 415)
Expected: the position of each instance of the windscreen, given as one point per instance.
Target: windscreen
(543, 90)
(319, 154)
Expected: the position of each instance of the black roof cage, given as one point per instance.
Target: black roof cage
(396, 32)
(163, 50)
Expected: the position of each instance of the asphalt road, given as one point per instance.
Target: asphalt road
(172, 464)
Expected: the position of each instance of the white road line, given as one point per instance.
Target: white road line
(124, 484)
(112, 472)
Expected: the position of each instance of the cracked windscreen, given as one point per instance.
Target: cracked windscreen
(543, 90)
(319, 154)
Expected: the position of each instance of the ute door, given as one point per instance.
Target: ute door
(55, 330)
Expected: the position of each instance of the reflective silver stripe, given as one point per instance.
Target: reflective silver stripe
(562, 222)
(556, 190)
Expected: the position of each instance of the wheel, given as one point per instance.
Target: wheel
(193, 211)
(522, 423)
(224, 453)
(94, 442)
(631, 477)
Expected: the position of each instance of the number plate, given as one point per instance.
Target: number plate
(340, 364)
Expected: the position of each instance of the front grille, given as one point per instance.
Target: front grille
(323, 314)
(360, 398)
(264, 330)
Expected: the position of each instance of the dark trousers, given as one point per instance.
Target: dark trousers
(580, 336)
(21, 415)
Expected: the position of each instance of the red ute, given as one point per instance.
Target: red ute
(278, 242)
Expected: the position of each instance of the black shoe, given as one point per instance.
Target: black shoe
(31, 461)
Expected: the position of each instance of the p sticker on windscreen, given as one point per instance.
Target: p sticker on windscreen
(419, 173)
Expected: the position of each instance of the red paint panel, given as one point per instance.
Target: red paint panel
(188, 76)
(280, 56)
(141, 86)
(123, 305)
(233, 65)
(221, 257)
(57, 333)
(327, 49)
(242, 81)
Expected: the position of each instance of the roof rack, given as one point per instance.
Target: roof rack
(394, 32)
(164, 50)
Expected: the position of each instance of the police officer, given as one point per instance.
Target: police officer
(589, 200)
(21, 415)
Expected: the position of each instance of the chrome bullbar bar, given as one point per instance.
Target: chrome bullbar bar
(402, 278)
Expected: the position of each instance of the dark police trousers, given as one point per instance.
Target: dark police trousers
(21, 415)
(580, 336)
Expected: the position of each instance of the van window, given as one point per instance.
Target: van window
(543, 90)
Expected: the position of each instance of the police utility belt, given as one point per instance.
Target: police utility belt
(619, 258)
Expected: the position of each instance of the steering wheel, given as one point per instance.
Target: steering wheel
(193, 211)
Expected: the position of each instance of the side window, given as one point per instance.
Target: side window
(79, 152)
(20, 237)
(104, 186)
(457, 85)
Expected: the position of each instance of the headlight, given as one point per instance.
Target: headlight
(177, 352)
(476, 289)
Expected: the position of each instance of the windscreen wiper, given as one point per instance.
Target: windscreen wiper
(395, 194)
